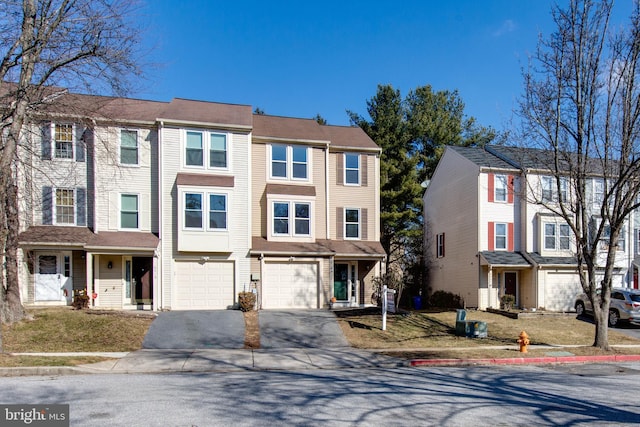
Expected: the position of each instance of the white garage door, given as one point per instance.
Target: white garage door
(560, 291)
(290, 285)
(203, 286)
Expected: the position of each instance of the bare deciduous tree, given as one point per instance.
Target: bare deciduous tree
(582, 106)
(84, 45)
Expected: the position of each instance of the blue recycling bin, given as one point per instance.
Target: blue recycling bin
(417, 302)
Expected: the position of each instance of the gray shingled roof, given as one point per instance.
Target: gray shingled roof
(541, 260)
(482, 158)
(505, 258)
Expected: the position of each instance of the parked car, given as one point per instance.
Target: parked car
(624, 306)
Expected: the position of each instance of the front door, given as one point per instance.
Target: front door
(344, 283)
(53, 280)
(511, 284)
(142, 280)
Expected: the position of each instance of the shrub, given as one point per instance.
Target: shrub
(507, 301)
(444, 299)
(80, 300)
(247, 301)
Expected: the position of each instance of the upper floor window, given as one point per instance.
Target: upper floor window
(500, 188)
(65, 206)
(352, 223)
(289, 162)
(285, 213)
(63, 140)
(606, 237)
(500, 236)
(550, 190)
(352, 169)
(193, 210)
(598, 191)
(128, 147)
(636, 233)
(217, 211)
(194, 152)
(440, 245)
(556, 236)
(129, 211)
(217, 150)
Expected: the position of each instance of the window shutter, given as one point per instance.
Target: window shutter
(45, 132)
(340, 168)
(363, 224)
(510, 237)
(81, 206)
(339, 222)
(114, 210)
(364, 160)
(144, 212)
(510, 188)
(443, 245)
(80, 145)
(491, 186)
(47, 205)
(492, 240)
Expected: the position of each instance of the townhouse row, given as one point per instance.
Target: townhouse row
(184, 204)
(488, 233)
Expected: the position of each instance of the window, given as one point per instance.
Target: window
(556, 237)
(128, 211)
(606, 235)
(598, 192)
(289, 162)
(440, 245)
(65, 207)
(636, 233)
(217, 150)
(564, 193)
(500, 188)
(217, 211)
(193, 210)
(63, 141)
(352, 169)
(281, 218)
(301, 212)
(128, 147)
(194, 155)
(547, 189)
(352, 223)
(501, 236)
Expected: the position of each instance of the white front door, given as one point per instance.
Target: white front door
(53, 280)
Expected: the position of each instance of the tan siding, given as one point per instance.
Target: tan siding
(109, 282)
(258, 184)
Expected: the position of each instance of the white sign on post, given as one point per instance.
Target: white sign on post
(388, 304)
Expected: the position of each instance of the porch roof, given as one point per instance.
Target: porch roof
(83, 238)
(506, 259)
(555, 260)
(321, 247)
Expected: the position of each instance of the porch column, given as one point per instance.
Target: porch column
(88, 260)
(490, 287)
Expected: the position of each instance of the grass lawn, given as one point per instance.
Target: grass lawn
(425, 334)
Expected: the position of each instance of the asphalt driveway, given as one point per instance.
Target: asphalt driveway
(199, 329)
(300, 329)
(224, 329)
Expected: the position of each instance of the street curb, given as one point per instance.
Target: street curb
(527, 360)
(28, 371)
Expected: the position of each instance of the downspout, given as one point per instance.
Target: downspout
(326, 191)
(158, 284)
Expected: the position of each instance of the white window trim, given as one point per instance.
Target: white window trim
(291, 218)
(54, 213)
(208, 211)
(138, 199)
(495, 188)
(344, 179)
(73, 142)
(440, 245)
(506, 236)
(184, 210)
(129, 165)
(344, 225)
(289, 163)
(206, 148)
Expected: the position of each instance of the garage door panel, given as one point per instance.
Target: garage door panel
(290, 285)
(204, 286)
(561, 290)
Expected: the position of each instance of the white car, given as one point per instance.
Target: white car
(624, 306)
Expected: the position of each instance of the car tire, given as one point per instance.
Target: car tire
(580, 308)
(614, 318)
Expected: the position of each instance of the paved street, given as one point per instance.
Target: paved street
(476, 396)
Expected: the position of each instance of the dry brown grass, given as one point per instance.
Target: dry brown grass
(62, 329)
(430, 333)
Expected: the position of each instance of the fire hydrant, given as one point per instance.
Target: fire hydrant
(523, 341)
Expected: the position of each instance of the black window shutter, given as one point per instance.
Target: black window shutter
(45, 133)
(363, 223)
(364, 177)
(81, 206)
(47, 205)
(80, 145)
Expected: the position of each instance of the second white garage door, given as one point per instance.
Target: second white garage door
(560, 291)
(290, 285)
(203, 286)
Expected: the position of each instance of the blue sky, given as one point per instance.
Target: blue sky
(300, 58)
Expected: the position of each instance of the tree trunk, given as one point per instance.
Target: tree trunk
(602, 332)
(12, 309)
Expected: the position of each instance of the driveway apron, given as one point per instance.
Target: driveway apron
(206, 329)
(300, 329)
